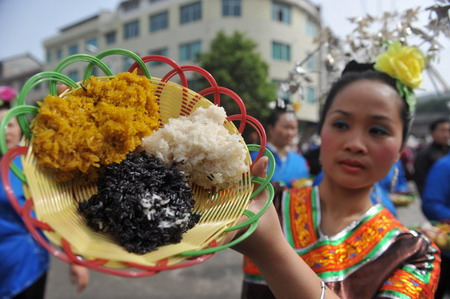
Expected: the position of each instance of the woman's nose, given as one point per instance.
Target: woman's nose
(355, 143)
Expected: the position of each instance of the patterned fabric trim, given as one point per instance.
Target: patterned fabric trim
(334, 258)
(405, 284)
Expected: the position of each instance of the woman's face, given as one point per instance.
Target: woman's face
(13, 133)
(362, 134)
(284, 131)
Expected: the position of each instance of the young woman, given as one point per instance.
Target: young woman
(358, 249)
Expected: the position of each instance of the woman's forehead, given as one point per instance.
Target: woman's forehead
(366, 93)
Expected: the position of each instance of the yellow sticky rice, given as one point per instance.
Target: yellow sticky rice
(95, 125)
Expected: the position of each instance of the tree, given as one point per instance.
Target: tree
(235, 64)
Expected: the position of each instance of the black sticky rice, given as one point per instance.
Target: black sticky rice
(141, 203)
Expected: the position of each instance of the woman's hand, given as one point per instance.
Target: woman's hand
(79, 276)
(269, 229)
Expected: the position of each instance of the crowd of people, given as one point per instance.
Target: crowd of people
(335, 237)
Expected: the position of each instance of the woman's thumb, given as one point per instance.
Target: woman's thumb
(260, 167)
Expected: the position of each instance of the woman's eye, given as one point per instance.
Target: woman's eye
(378, 131)
(340, 124)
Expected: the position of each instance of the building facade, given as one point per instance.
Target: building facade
(16, 70)
(179, 29)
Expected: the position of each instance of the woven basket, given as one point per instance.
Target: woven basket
(55, 204)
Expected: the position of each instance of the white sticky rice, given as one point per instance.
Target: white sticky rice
(208, 154)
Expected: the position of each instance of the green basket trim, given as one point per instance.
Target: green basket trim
(93, 61)
(124, 52)
(253, 218)
(244, 236)
(270, 172)
(29, 85)
(13, 112)
(271, 193)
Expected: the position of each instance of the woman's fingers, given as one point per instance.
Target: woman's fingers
(260, 167)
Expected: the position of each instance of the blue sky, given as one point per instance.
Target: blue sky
(24, 24)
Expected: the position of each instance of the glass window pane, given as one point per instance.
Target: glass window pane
(190, 13)
(310, 95)
(73, 49)
(131, 29)
(281, 51)
(159, 21)
(190, 51)
(231, 8)
(110, 37)
(163, 52)
(281, 12)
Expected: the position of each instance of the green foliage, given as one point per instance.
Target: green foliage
(235, 64)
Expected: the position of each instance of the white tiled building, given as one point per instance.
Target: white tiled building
(283, 29)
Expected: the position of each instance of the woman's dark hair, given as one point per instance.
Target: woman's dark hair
(281, 108)
(437, 122)
(354, 72)
(5, 105)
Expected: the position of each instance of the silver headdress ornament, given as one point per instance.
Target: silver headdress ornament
(366, 40)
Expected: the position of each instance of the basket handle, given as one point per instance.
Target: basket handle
(123, 52)
(13, 112)
(232, 95)
(253, 219)
(176, 68)
(37, 79)
(258, 128)
(93, 61)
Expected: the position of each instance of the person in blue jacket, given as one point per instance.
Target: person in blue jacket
(282, 128)
(24, 262)
(436, 207)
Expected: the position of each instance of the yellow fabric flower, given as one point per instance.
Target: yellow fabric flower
(403, 63)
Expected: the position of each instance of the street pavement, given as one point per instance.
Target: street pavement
(218, 277)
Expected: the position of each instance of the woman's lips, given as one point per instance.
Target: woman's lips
(351, 166)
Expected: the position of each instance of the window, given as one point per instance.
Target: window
(110, 37)
(48, 56)
(281, 51)
(311, 62)
(310, 95)
(231, 8)
(159, 21)
(73, 75)
(190, 12)
(73, 49)
(59, 54)
(281, 12)
(131, 29)
(128, 62)
(163, 52)
(91, 45)
(190, 51)
(130, 5)
(311, 28)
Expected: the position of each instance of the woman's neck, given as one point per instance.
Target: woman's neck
(341, 206)
(281, 150)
